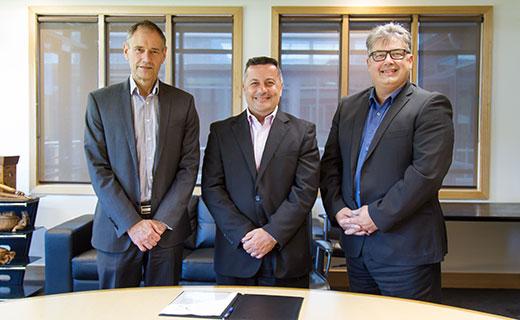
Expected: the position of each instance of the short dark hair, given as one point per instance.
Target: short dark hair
(262, 60)
(145, 24)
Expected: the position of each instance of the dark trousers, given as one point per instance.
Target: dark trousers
(156, 267)
(264, 277)
(422, 282)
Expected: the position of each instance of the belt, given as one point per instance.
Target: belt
(145, 210)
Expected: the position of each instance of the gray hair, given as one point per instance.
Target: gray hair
(386, 32)
(145, 24)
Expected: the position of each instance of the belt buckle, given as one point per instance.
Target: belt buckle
(146, 209)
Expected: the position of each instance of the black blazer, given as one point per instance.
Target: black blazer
(407, 160)
(278, 198)
(111, 154)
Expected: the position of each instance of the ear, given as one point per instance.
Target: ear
(165, 51)
(125, 50)
(410, 60)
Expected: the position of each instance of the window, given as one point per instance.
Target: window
(323, 57)
(449, 62)
(310, 62)
(204, 67)
(68, 70)
(204, 58)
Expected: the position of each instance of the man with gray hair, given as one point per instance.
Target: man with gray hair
(386, 156)
(142, 150)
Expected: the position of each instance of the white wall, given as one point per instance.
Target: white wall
(482, 247)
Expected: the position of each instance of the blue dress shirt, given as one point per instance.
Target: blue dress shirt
(376, 114)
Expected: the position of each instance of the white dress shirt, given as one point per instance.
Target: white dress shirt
(146, 127)
(259, 133)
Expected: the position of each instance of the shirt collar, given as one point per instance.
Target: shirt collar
(374, 102)
(133, 87)
(252, 118)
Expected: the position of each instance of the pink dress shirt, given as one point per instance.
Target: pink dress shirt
(259, 133)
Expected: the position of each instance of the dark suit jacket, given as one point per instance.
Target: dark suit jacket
(278, 198)
(110, 149)
(400, 179)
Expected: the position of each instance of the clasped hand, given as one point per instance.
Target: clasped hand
(356, 222)
(258, 243)
(146, 233)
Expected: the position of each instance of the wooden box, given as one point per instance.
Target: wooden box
(8, 170)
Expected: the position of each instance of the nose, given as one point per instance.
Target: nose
(146, 55)
(262, 88)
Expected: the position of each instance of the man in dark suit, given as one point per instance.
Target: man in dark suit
(142, 150)
(388, 150)
(260, 181)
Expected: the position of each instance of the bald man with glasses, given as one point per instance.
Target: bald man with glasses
(386, 156)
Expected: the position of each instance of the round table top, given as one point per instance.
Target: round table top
(146, 303)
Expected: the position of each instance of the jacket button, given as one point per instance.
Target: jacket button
(257, 198)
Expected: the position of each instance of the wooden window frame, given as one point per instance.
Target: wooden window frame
(101, 13)
(481, 191)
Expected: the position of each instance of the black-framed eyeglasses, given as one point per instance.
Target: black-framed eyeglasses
(396, 54)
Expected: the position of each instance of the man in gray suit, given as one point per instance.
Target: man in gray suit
(142, 150)
(386, 156)
(259, 181)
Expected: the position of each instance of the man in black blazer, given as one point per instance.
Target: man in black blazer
(387, 153)
(142, 150)
(260, 181)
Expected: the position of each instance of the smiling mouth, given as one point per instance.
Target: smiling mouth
(388, 71)
(262, 98)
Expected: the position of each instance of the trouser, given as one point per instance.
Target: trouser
(155, 267)
(420, 282)
(264, 277)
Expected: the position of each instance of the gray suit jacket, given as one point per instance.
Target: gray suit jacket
(110, 150)
(406, 163)
(278, 197)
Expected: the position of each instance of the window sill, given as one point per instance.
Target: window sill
(63, 189)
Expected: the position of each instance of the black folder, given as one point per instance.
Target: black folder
(261, 307)
(254, 307)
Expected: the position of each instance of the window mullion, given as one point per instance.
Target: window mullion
(169, 65)
(415, 45)
(102, 52)
(344, 56)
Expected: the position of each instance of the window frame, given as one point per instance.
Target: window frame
(101, 13)
(481, 191)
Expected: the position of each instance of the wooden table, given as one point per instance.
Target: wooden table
(146, 303)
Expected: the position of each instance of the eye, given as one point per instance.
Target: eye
(139, 50)
(380, 55)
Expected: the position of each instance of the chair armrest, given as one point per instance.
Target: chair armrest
(326, 247)
(62, 243)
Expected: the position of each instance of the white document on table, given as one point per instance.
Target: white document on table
(200, 304)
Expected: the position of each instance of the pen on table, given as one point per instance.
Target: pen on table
(228, 313)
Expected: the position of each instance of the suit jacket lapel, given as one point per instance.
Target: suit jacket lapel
(163, 117)
(396, 106)
(128, 121)
(276, 135)
(242, 135)
(357, 131)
